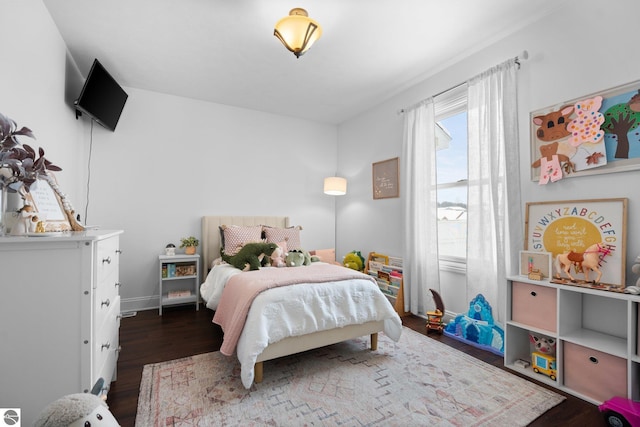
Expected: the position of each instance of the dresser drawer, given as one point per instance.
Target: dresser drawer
(108, 362)
(105, 298)
(534, 305)
(107, 259)
(593, 373)
(106, 338)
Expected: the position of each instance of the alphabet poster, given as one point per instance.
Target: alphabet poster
(576, 225)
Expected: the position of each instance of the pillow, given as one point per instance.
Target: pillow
(290, 235)
(325, 255)
(234, 237)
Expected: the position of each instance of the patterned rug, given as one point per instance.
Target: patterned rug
(415, 382)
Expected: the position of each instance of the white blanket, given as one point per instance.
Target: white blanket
(301, 309)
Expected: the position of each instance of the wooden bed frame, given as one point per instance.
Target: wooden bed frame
(211, 251)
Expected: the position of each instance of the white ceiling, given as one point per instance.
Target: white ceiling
(224, 51)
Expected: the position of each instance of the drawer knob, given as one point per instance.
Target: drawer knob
(533, 293)
(107, 345)
(107, 303)
(117, 284)
(107, 260)
(118, 251)
(593, 360)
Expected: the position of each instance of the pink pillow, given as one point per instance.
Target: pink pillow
(289, 235)
(234, 237)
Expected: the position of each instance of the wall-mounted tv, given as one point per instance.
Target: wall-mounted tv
(101, 98)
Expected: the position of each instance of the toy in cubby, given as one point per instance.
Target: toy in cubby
(543, 355)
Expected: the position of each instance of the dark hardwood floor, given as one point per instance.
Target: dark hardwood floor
(182, 331)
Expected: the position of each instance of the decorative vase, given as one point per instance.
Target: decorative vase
(190, 250)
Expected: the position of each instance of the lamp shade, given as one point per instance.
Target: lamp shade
(335, 186)
(297, 32)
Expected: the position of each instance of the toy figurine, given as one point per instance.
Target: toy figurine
(587, 261)
(434, 318)
(27, 221)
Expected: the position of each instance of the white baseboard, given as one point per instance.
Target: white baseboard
(139, 303)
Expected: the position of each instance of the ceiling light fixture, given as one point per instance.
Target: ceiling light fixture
(335, 186)
(297, 32)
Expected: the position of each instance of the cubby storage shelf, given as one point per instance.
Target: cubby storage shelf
(596, 335)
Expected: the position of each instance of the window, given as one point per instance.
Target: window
(451, 174)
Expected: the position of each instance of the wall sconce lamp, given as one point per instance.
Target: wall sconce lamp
(297, 32)
(335, 186)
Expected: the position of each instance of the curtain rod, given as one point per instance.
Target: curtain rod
(524, 55)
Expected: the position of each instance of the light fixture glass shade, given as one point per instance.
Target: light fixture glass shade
(335, 186)
(297, 32)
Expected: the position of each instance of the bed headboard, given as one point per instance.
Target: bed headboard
(211, 233)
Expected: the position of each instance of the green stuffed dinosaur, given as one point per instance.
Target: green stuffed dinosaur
(298, 257)
(252, 254)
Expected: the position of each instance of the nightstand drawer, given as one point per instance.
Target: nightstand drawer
(534, 305)
(593, 373)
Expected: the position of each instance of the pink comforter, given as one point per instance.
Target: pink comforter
(243, 288)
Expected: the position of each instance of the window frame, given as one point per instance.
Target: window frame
(448, 104)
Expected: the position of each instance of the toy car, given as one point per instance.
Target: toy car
(621, 412)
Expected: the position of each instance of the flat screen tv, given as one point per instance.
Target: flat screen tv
(101, 98)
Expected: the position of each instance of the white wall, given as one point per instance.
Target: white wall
(173, 160)
(562, 66)
(35, 78)
(170, 161)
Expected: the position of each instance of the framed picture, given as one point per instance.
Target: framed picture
(562, 227)
(386, 179)
(531, 261)
(48, 206)
(593, 134)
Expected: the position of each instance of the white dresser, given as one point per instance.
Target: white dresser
(59, 317)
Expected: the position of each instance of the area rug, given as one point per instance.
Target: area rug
(417, 381)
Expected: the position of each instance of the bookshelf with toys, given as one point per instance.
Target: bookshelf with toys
(179, 280)
(387, 271)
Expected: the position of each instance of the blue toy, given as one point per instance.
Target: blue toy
(477, 327)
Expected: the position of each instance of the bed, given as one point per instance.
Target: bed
(273, 328)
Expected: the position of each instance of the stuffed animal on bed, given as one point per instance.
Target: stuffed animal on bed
(298, 257)
(77, 410)
(251, 254)
(277, 258)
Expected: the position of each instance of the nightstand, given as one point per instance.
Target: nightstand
(178, 280)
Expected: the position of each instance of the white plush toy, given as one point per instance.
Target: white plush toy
(77, 410)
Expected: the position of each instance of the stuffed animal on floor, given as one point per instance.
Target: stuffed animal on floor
(77, 410)
(251, 254)
(353, 260)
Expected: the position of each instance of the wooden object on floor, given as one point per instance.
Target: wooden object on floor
(388, 273)
(434, 318)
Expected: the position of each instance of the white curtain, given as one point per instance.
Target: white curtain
(494, 209)
(421, 268)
